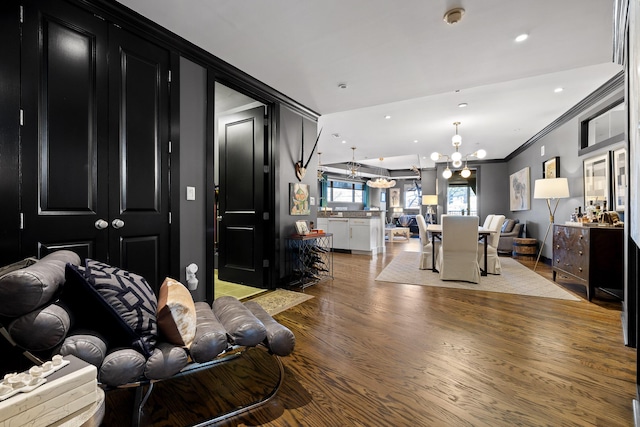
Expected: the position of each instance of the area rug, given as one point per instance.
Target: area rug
(277, 301)
(222, 288)
(515, 278)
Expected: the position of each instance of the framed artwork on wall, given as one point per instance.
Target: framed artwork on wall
(519, 190)
(551, 168)
(302, 228)
(619, 180)
(394, 195)
(299, 198)
(596, 180)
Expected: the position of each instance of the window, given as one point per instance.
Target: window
(604, 127)
(412, 196)
(461, 195)
(345, 192)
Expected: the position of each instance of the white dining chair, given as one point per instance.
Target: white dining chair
(493, 260)
(487, 221)
(426, 248)
(458, 254)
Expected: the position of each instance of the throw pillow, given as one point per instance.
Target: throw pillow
(508, 225)
(176, 313)
(131, 297)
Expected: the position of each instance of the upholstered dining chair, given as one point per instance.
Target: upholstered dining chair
(458, 254)
(487, 221)
(493, 260)
(426, 257)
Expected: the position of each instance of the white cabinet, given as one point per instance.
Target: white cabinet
(355, 234)
(360, 235)
(339, 227)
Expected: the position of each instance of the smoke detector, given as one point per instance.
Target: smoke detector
(453, 16)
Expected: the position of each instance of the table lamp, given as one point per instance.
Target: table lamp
(550, 189)
(430, 200)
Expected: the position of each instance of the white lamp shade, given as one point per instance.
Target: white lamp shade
(551, 188)
(429, 200)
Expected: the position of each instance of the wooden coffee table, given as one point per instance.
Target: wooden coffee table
(397, 231)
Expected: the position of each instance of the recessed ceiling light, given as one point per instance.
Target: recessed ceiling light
(462, 104)
(342, 85)
(335, 135)
(387, 117)
(415, 141)
(344, 142)
(522, 37)
(558, 89)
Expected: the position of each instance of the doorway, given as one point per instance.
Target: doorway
(241, 134)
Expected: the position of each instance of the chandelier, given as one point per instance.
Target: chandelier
(353, 166)
(382, 180)
(456, 157)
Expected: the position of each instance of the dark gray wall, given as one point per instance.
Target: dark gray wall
(564, 143)
(287, 152)
(193, 125)
(492, 188)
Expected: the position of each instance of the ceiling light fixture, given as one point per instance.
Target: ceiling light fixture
(522, 37)
(353, 166)
(462, 105)
(342, 85)
(453, 16)
(387, 117)
(383, 179)
(558, 90)
(456, 157)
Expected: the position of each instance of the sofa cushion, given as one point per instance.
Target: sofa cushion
(280, 340)
(176, 313)
(165, 361)
(508, 225)
(121, 367)
(242, 326)
(211, 337)
(87, 347)
(41, 329)
(25, 289)
(130, 297)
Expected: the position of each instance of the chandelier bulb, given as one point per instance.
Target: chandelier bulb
(456, 156)
(447, 173)
(481, 154)
(456, 163)
(435, 156)
(466, 173)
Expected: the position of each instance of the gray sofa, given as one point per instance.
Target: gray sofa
(511, 229)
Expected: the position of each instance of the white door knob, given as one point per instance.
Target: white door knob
(117, 223)
(101, 224)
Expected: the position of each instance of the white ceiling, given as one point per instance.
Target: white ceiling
(399, 58)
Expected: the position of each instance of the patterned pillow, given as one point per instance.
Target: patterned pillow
(130, 296)
(508, 225)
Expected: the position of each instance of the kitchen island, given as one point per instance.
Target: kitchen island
(360, 232)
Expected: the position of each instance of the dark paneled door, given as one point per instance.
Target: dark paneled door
(95, 140)
(242, 198)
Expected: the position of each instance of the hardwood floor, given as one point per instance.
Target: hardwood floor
(381, 354)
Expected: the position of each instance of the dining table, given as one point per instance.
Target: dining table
(436, 233)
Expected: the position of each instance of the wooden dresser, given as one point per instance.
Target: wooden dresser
(591, 255)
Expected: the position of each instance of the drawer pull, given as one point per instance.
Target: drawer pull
(580, 268)
(581, 237)
(580, 252)
(557, 246)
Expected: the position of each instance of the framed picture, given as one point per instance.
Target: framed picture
(619, 180)
(551, 168)
(302, 228)
(519, 190)
(299, 198)
(596, 180)
(394, 195)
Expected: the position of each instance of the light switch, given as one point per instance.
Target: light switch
(191, 193)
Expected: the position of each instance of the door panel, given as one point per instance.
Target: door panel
(242, 197)
(95, 141)
(139, 156)
(63, 162)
